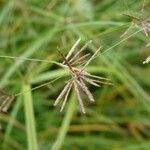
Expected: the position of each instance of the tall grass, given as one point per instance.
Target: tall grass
(30, 32)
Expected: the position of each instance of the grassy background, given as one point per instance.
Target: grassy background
(120, 117)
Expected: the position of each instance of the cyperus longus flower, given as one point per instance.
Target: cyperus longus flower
(143, 23)
(79, 77)
(145, 27)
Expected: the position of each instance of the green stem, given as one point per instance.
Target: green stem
(66, 122)
(29, 116)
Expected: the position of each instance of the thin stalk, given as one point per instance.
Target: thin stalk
(65, 124)
(121, 41)
(31, 59)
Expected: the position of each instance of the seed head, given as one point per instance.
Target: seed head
(76, 63)
(143, 23)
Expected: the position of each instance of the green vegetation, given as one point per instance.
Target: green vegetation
(30, 32)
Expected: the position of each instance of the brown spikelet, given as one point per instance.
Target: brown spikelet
(66, 96)
(79, 97)
(5, 101)
(62, 93)
(86, 90)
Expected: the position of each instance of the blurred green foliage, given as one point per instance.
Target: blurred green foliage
(120, 117)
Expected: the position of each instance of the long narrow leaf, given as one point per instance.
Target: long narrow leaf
(29, 117)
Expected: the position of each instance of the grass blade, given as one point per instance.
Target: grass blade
(9, 127)
(6, 10)
(30, 51)
(29, 116)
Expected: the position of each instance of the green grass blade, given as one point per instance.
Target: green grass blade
(35, 47)
(10, 124)
(6, 10)
(29, 116)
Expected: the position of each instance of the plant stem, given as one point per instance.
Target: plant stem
(65, 125)
(29, 116)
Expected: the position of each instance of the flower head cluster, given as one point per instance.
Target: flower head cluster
(79, 77)
(143, 23)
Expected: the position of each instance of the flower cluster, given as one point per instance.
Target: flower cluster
(143, 23)
(79, 77)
